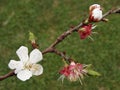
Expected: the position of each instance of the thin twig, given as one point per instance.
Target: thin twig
(63, 55)
(112, 11)
(11, 73)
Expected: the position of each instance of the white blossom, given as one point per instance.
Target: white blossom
(27, 66)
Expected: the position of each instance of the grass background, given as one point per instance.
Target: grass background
(47, 19)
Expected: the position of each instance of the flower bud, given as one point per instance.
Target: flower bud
(95, 13)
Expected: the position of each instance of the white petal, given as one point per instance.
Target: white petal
(22, 53)
(15, 64)
(72, 63)
(19, 67)
(17, 71)
(37, 69)
(24, 75)
(97, 14)
(96, 5)
(35, 56)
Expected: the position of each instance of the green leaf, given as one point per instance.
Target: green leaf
(93, 73)
(31, 36)
(88, 66)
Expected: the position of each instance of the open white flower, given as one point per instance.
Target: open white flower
(27, 66)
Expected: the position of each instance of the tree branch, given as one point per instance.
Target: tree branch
(63, 55)
(112, 11)
(51, 48)
(68, 32)
(11, 73)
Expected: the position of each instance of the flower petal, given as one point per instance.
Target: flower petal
(19, 67)
(37, 69)
(22, 53)
(15, 64)
(24, 75)
(35, 56)
(97, 14)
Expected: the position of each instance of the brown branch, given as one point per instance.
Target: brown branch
(61, 38)
(63, 55)
(34, 45)
(51, 48)
(112, 11)
(11, 73)
(68, 32)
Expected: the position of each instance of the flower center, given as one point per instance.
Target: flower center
(28, 65)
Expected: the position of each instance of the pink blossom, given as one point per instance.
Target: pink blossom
(85, 31)
(73, 72)
(65, 71)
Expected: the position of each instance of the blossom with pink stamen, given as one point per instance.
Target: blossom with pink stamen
(85, 31)
(73, 72)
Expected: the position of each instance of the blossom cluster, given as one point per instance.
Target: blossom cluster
(95, 15)
(27, 66)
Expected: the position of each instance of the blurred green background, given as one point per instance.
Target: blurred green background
(47, 19)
